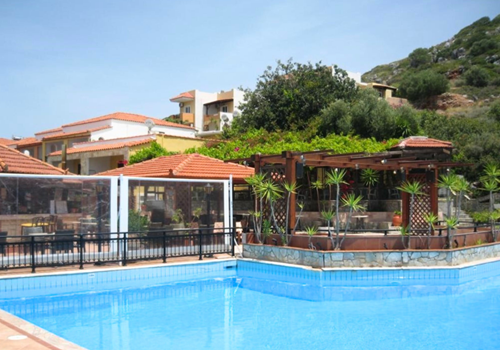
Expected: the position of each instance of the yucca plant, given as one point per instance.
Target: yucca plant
(451, 225)
(448, 182)
(461, 187)
(490, 180)
(414, 189)
(311, 231)
(318, 185)
(369, 177)
(352, 202)
(255, 182)
(494, 216)
(270, 192)
(430, 219)
(328, 215)
(336, 178)
(403, 230)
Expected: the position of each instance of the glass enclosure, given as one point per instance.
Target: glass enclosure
(170, 204)
(46, 204)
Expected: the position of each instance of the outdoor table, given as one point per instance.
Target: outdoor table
(360, 221)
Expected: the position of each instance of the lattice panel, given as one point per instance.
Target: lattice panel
(422, 206)
(277, 174)
(183, 199)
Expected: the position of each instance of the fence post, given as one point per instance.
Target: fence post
(82, 247)
(475, 227)
(32, 251)
(200, 244)
(233, 238)
(164, 246)
(124, 260)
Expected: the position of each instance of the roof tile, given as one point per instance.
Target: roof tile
(422, 142)
(190, 166)
(103, 147)
(13, 161)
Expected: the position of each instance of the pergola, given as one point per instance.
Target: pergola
(415, 158)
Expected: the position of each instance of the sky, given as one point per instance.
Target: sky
(63, 61)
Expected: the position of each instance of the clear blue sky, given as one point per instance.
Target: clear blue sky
(62, 61)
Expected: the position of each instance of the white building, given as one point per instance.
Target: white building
(208, 112)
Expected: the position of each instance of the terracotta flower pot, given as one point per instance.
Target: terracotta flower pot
(397, 220)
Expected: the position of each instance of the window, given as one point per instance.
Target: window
(187, 110)
(224, 109)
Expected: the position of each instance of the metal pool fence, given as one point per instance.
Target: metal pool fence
(62, 248)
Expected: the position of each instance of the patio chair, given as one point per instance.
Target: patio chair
(3, 242)
(52, 223)
(64, 241)
(37, 221)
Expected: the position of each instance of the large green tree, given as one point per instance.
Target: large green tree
(292, 94)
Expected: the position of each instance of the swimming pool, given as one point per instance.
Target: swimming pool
(251, 305)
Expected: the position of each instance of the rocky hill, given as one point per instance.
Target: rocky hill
(474, 49)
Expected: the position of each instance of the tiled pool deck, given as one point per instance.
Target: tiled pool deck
(36, 338)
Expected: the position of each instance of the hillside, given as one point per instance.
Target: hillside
(477, 45)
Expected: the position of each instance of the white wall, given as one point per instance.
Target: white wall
(123, 128)
(87, 126)
(200, 99)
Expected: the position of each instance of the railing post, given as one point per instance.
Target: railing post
(164, 246)
(124, 260)
(32, 251)
(200, 244)
(82, 246)
(233, 238)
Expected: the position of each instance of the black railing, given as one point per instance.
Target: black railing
(61, 248)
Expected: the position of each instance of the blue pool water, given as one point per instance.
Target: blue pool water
(261, 306)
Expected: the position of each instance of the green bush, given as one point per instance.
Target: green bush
(153, 151)
(476, 76)
(482, 46)
(422, 85)
(494, 111)
(419, 57)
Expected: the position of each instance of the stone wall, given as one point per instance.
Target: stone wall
(326, 259)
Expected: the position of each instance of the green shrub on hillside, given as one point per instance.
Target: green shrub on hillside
(482, 46)
(422, 85)
(419, 57)
(477, 76)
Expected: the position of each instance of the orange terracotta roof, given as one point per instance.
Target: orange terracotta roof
(63, 135)
(49, 131)
(13, 161)
(422, 142)
(129, 117)
(26, 142)
(6, 141)
(103, 147)
(187, 166)
(183, 95)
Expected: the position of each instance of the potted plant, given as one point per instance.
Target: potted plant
(397, 218)
(178, 219)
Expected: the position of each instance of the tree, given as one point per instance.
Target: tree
(422, 85)
(155, 150)
(477, 76)
(419, 57)
(353, 203)
(372, 116)
(336, 118)
(449, 183)
(292, 94)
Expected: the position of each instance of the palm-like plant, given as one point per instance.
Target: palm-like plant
(461, 187)
(318, 185)
(369, 177)
(448, 182)
(494, 216)
(430, 219)
(451, 225)
(336, 178)
(255, 182)
(311, 231)
(414, 189)
(270, 192)
(353, 203)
